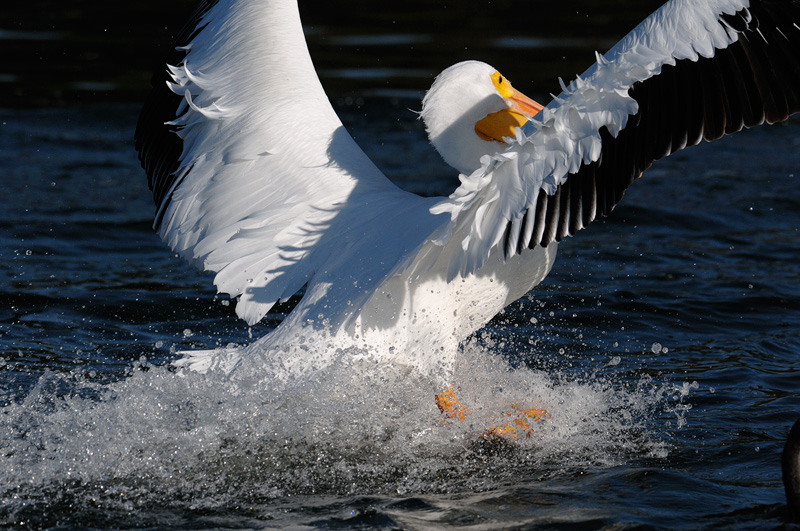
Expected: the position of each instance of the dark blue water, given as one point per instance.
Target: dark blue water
(664, 344)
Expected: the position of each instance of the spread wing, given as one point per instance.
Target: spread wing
(255, 179)
(253, 175)
(693, 70)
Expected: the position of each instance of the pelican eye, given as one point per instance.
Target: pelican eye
(502, 85)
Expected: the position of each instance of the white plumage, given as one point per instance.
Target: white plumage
(256, 180)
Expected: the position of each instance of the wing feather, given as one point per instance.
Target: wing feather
(252, 173)
(158, 144)
(691, 71)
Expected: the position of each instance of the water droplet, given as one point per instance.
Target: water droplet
(656, 348)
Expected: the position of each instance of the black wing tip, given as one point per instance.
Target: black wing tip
(756, 79)
(157, 142)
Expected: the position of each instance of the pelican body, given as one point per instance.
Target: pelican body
(271, 203)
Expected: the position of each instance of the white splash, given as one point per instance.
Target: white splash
(357, 427)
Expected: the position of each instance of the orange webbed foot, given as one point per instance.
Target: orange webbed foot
(450, 406)
(519, 424)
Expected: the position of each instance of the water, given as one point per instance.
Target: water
(663, 344)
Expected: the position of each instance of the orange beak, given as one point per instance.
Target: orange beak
(501, 124)
(522, 104)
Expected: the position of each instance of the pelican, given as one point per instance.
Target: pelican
(256, 180)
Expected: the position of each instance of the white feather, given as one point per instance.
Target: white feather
(271, 173)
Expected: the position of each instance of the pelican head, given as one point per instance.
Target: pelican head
(469, 110)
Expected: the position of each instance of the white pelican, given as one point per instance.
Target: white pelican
(256, 180)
